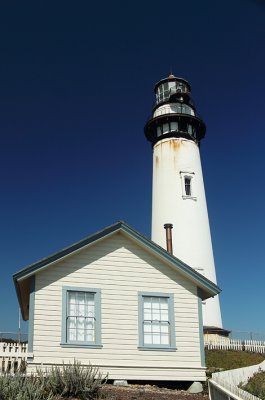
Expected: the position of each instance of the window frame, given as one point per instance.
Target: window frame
(97, 299)
(187, 175)
(171, 316)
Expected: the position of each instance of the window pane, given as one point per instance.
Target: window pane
(165, 128)
(156, 339)
(81, 309)
(156, 327)
(80, 335)
(163, 301)
(147, 315)
(165, 339)
(71, 297)
(147, 327)
(188, 186)
(90, 298)
(72, 328)
(72, 309)
(155, 303)
(173, 126)
(147, 339)
(147, 302)
(189, 128)
(158, 131)
(164, 315)
(164, 328)
(156, 315)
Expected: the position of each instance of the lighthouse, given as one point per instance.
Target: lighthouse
(175, 131)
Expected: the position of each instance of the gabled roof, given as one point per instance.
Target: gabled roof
(208, 288)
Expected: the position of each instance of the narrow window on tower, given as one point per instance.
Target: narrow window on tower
(187, 183)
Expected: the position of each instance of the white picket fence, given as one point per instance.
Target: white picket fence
(253, 346)
(225, 385)
(12, 356)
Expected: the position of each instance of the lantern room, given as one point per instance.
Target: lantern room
(174, 113)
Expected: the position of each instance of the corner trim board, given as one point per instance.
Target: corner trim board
(203, 364)
(31, 314)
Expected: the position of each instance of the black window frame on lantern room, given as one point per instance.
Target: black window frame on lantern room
(162, 129)
(165, 88)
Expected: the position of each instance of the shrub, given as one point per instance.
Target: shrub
(256, 385)
(70, 380)
(20, 387)
(76, 380)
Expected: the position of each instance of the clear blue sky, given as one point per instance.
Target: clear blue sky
(76, 87)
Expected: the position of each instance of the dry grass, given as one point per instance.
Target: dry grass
(217, 360)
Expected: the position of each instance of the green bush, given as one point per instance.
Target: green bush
(70, 380)
(256, 385)
(20, 387)
(76, 380)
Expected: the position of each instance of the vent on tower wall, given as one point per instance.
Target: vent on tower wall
(168, 228)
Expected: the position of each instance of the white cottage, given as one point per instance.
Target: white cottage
(120, 302)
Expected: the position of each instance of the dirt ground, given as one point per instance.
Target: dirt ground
(147, 392)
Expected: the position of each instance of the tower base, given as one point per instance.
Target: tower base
(214, 334)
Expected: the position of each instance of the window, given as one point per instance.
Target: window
(173, 126)
(172, 85)
(167, 128)
(162, 92)
(156, 321)
(159, 131)
(81, 317)
(187, 184)
(187, 180)
(189, 129)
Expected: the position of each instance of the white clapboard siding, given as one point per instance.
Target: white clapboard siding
(137, 372)
(121, 269)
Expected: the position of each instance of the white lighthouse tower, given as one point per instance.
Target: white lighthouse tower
(175, 131)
